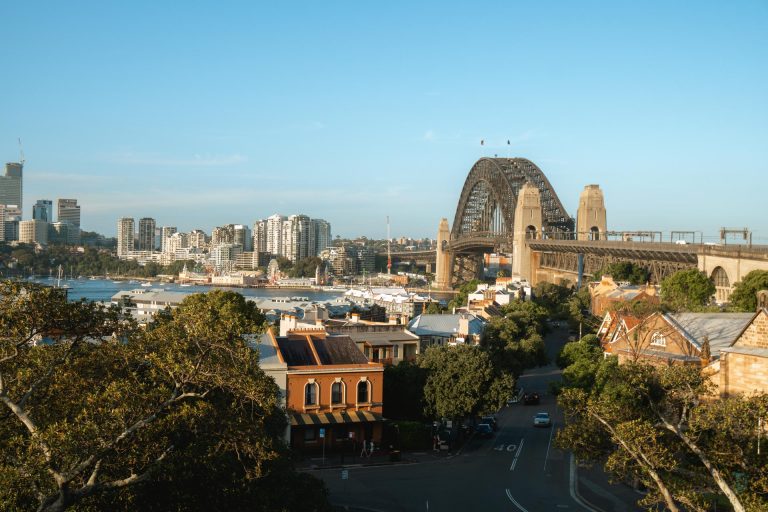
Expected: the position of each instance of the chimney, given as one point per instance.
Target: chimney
(463, 326)
(287, 323)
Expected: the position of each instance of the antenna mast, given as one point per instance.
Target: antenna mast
(21, 153)
(389, 249)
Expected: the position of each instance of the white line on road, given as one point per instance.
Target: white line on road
(515, 503)
(517, 454)
(546, 457)
(575, 491)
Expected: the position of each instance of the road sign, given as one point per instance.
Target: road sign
(351, 435)
(322, 433)
(345, 474)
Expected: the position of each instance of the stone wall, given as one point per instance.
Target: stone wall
(756, 334)
(741, 373)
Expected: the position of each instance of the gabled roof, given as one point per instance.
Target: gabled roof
(721, 329)
(309, 350)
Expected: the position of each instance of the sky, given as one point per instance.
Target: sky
(201, 114)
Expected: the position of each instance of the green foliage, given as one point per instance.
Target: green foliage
(305, 267)
(107, 417)
(551, 296)
(434, 309)
(687, 290)
(460, 299)
(624, 271)
(744, 296)
(462, 382)
(515, 341)
(413, 435)
(404, 389)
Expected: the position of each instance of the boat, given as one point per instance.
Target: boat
(184, 285)
(146, 285)
(59, 275)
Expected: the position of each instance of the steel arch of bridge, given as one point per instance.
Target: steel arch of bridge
(486, 210)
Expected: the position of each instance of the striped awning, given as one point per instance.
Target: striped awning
(334, 418)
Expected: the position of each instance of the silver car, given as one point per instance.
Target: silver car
(542, 420)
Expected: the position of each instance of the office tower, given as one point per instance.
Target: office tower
(260, 236)
(43, 210)
(12, 217)
(11, 185)
(146, 240)
(33, 232)
(322, 231)
(242, 237)
(69, 211)
(125, 236)
(275, 234)
(2, 222)
(165, 232)
(58, 232)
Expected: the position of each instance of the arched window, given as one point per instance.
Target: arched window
(363, 394)
(594, 233)
(310, 393)
(337, 393)
(530, 233)
(659, 339)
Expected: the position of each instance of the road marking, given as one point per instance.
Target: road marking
(517, 454)
(546, 457)
(575, 491)
(515, 503)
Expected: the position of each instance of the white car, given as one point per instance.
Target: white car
(542, 420)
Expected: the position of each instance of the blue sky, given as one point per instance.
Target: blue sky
(206, 113)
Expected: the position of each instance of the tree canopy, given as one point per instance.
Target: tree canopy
(462, 382)
(744, 295)
(624, 271)
(687, 290)
(100, 415)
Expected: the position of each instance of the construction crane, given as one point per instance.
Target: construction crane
(389, 249)
(21, 153)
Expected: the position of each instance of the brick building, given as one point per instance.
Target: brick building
(744, 364)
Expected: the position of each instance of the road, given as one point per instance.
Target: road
(519, 469)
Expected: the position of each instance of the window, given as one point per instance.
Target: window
(396, 351)
(337, 393)
(310, 434)
(362, 392)
(659, 340)
(310, 393)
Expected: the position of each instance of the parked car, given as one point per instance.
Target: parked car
(484, 430)
(491, 420)
(531, 398)
(515, 398)
(542, 420)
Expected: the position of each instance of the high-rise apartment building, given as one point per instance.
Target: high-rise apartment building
(322, 232)
(198, 239)
(146, 240)
(11, 189)
(223, 235)
(242, 237)
(260, 236)
(125, 236)
(275, 234)
(297, 237)
(42, 210)
(68, 211)
(176, 241)
(166, 232)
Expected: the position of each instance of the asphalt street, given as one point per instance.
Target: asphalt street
(519, 469)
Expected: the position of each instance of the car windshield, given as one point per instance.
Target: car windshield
(542, 415)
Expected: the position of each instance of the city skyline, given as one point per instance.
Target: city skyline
(208, 116)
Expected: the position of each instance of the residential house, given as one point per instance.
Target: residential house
(608, 294)
(388, 343)
(447, 329)
(744, 364)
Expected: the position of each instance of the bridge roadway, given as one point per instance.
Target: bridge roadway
(683, 253)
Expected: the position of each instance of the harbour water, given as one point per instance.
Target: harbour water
(102, 290)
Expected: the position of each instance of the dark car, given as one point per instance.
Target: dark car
(531, 398)
(491, 420)
(484, 430)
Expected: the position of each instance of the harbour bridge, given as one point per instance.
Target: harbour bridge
(508, 206)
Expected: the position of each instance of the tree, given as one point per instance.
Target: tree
(624, 271)
(580, 361)
(462, 382)
(551, 296)
(687, 290)
(460, 299)
(744, 296)
(404, 389)
(107, 417)
(305, 267)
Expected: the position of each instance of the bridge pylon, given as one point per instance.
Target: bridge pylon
(528, 226)
(444, 259)
(591, 218)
